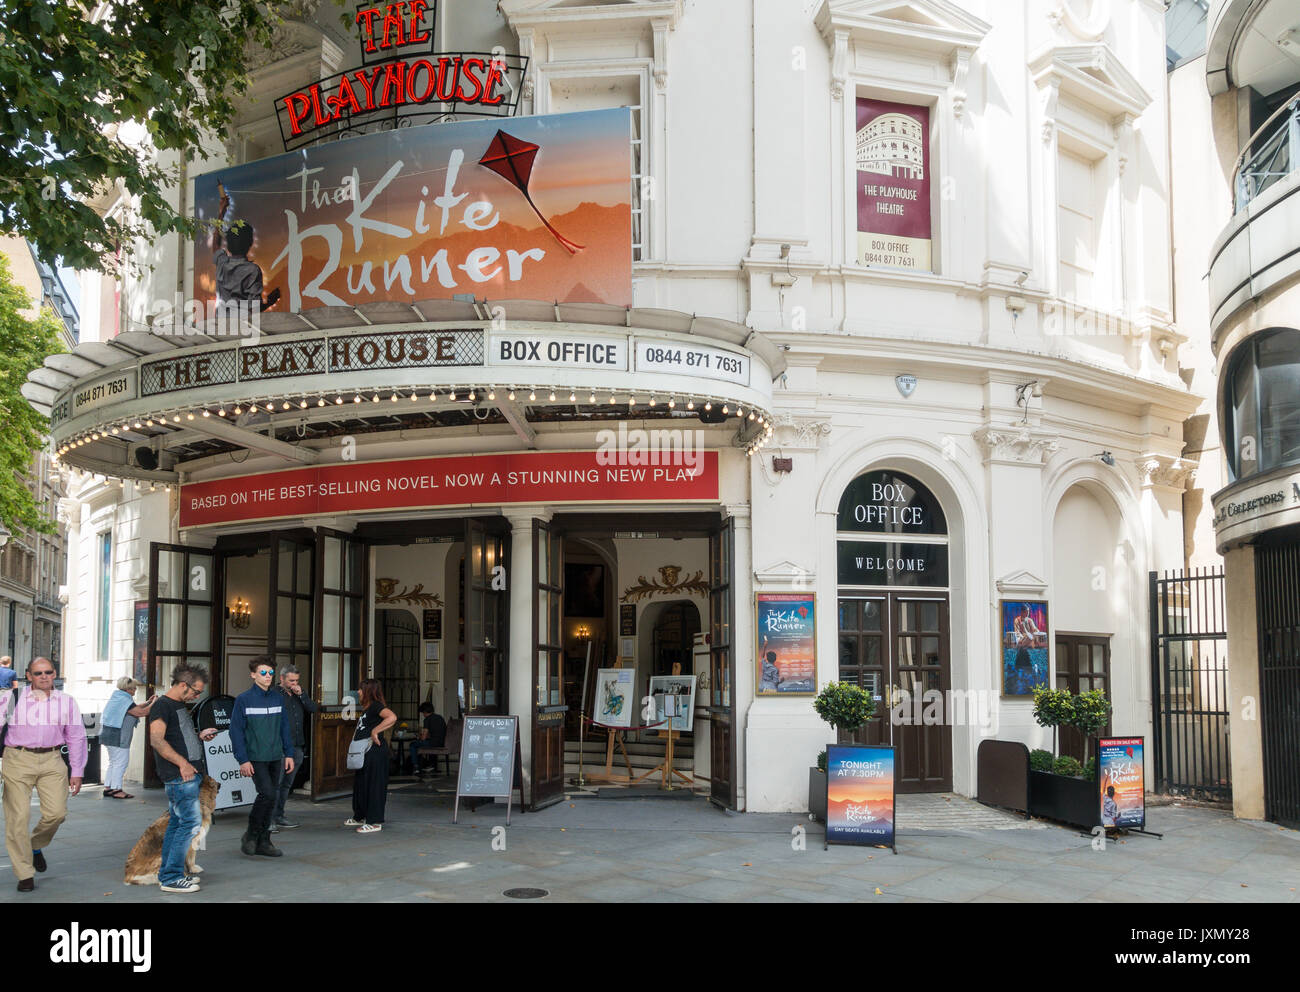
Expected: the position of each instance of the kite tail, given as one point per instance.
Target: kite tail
(572, 246)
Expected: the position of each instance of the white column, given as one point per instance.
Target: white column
(520, 662)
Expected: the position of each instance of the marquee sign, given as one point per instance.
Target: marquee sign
(402, 81)
(546, 477)
(1245, 509)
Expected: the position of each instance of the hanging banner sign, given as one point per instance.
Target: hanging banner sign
(787, 644)
(1122, 783)
(860, 795)
(894, 169)
(532, 208)
(454, 480)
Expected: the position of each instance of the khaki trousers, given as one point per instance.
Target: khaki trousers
(23, 772)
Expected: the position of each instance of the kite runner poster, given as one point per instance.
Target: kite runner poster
(1121, 783)
(526, 208)
(787, 644)
(894, 170)
(860, 795)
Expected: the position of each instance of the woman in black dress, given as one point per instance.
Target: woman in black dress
(370, 784)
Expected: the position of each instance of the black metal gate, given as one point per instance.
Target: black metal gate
(1189, 683)
(1277, 591)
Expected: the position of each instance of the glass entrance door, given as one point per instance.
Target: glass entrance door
(722, 666)
(548, 665)
(341, 618)
(486, 608)
(181, 621)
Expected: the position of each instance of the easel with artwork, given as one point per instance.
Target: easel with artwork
(613, 710)
(675, 696)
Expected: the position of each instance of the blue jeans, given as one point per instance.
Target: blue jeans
(183, 823)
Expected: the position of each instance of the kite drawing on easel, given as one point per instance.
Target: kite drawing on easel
(513, 159)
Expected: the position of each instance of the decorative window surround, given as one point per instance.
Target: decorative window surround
(939, 31)
(1092, 77)
(1021, 583)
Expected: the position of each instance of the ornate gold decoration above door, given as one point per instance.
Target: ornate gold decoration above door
(386, 592)
(696, 585)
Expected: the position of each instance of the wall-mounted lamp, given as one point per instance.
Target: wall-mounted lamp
(583, 632)
(1106, 458)
(240, 614)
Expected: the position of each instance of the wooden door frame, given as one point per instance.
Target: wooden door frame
(545, 716)
(897, 597)
(723, 716)
(334, 714)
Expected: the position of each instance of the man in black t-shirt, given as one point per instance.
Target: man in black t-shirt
(433, 734)
(176, 749)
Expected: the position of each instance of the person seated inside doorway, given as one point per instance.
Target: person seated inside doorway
(432, 735)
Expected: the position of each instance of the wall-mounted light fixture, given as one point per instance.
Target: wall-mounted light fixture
(240, 613)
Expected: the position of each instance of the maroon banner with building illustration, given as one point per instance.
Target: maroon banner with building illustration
(526, 208)
(893, 178)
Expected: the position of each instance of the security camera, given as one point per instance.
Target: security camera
(1020, 279)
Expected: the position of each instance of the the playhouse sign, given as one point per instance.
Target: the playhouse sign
(402, 81)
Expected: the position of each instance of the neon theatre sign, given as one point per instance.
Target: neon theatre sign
(402, 81)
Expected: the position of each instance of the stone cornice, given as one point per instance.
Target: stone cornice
(1167, 472)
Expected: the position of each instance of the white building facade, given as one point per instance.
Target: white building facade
(988, 423)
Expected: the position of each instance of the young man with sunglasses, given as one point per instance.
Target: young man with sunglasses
(263, 745)
(38, 723)
(176, 750)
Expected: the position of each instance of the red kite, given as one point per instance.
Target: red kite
(513, 159)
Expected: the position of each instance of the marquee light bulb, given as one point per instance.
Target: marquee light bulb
(286, 404)
(238, 409)
(653, 401)
(176, 419)
(393, 398)
(375, 398)
(471, 396)
(724, 408)
(573, 397)
(612, 399)
(511, 396)
(302, 404)
(190, 415)
(709, 405)
(433, 396)
(592, 398)
(533, 395)
(690, 404)
(492, 394)
(356, 398)
(338, 400)
(320, 401)
(631, 401)
(672, 403)
(413, 396)
(751, 414)
(149, 423)
(552, 395)
(205, 414)
(137, 425)
(452, 396)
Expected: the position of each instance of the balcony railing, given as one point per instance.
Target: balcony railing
(1276, 158)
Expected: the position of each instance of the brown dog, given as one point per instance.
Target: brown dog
(145, 859)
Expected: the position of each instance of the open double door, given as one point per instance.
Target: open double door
(317, 601)
(549, 708)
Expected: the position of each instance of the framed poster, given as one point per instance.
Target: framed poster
(893, 180)
(674, 697)
(432, 625)
(615, 697)
(1121, 786)
(860, 795)
(786, 644)
(1025, 663)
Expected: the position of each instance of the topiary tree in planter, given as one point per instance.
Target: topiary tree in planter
(846, 707)
(1053, 707)
(1089, 712)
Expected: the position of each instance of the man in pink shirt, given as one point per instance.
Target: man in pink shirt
(38, 725)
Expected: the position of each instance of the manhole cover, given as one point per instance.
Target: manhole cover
(525, 893)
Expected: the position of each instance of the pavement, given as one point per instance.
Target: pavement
(645, 849)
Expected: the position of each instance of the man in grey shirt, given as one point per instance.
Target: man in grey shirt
(238, 279)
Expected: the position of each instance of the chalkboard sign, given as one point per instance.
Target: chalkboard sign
(432, 625)
(489, 758)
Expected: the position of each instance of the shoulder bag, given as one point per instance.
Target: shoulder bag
(357, 750)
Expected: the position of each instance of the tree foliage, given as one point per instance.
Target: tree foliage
(24, 344)
(89, 103)
(845, 706)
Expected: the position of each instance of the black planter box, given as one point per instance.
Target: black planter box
(1069, 800)
(817, 794)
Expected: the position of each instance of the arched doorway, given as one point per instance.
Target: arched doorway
(672, 639)
(893, 620)
(397, 661)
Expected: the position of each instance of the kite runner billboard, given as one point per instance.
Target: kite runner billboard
(532, 208)
(1121, 782)
(894, 169)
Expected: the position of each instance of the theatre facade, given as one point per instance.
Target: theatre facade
(545, 393)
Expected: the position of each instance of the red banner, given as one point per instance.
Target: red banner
(453, 480)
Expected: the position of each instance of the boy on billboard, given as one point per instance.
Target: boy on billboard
(238, 279)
